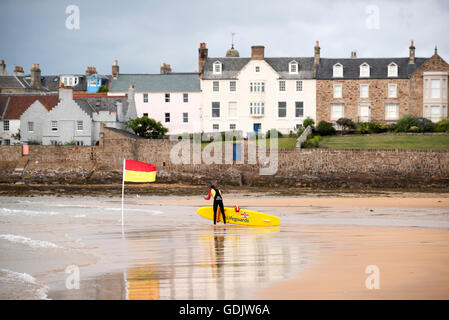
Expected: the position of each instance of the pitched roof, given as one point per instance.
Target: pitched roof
(171, 82)
(12, 106)
(14, 82)
(231, 66)
(378, 67)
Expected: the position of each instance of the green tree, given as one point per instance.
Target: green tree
(147, 128)
(346, 124)
(103, 89)
(308, 122)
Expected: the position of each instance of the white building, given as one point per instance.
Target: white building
(67, 119)
(174, 99)
(256, 94)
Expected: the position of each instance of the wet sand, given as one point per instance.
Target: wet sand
(412, 264)
(166, 251)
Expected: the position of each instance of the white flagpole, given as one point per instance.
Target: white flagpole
(123, 190)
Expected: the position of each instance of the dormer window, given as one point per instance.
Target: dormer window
(293, 67)
(392, 70)
(364, 70)
(217, 67)
(338, 70)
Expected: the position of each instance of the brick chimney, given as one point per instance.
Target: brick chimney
(36, 77)
(316, 57)
(202, 57)
(90, 71)
(115, 69)
(353, 54)
(18, 71)
(257, 52)
(3, 68)
(165, 68)
(411, 58)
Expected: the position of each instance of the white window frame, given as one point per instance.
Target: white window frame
(337, 70)
(279, 109)
(185, 117)
(145, 98)
(212, 109)
(439, 88)
(78, 126)
(299, 85)
(257, 68)
(364, 70)
(257, 108)
(293, 67)
(232, 86)
(388, 114)
(216, 86)
(282, 86)
(54, 125)
(257, 86)
(296, 109)
(185, 97)
(217, 67)
(232, 109)
(361, 91)
(333, 105)
(30, 126)
(391, 85)
(232, 126)
(215, 127)
(167, 117)
(5, 125)
(340, 91)
(392, 70)
(167, 97)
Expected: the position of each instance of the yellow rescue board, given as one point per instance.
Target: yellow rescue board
(243, 217)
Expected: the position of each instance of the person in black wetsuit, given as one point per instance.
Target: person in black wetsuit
(218, 202)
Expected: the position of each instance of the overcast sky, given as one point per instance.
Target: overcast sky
(143, 34)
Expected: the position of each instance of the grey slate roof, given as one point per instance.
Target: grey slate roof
(14, 82)
(171, 82)
(97, 104)
(378, 67)
(51, 82)
(231, 67)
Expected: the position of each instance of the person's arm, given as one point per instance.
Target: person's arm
(208, 196)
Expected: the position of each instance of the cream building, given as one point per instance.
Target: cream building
(256, 94)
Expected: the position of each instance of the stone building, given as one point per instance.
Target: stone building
(382, 89)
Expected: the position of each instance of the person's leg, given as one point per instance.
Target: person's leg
(215, 212)
(222, 211)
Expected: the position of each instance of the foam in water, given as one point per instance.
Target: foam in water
(28, 241)
(21, 282)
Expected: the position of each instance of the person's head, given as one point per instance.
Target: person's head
(210, 184)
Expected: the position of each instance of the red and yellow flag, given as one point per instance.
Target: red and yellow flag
(136, 171)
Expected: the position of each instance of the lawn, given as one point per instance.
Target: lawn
(380, 141)
(411, 142)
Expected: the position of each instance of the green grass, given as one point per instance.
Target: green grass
(411, 142)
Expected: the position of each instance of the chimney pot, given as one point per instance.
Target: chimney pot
(411, 58)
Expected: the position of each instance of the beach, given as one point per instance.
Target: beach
(164, 250)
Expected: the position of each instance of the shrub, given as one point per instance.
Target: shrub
(391, 127)
(311, 142)
(406, 122)
(33, 143)
(376, 127)
(442, 125)
(70, 143)
(425, 125)
(363, 126)
(300, 131)
(279, 135)
(147, 128)
(308, 122)
(414, 129)
(346, 124)
(325, 128)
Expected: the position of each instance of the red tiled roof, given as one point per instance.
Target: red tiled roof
(18, 104)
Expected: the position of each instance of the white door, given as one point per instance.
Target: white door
(364, 113)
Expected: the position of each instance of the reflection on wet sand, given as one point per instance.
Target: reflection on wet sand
(211, 263)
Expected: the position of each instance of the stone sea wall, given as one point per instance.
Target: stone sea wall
(320, 168)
